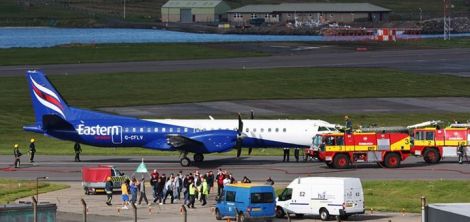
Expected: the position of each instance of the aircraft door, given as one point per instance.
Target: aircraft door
(117, 137)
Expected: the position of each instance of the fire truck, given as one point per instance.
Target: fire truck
(434, 143)
(341, 150)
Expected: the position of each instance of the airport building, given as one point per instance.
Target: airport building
(189, 11)
(319, 13)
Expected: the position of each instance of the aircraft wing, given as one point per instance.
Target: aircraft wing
(204, 142)
(179, 141)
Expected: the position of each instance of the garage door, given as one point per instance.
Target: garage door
(186, 15)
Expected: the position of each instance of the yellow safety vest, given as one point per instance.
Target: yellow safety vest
(192, 189)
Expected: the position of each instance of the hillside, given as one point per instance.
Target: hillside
(90, 13)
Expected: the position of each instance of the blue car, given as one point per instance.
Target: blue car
(247, 201)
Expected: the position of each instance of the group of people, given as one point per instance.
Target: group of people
(32, 151)
(287, 154)
(175, 187)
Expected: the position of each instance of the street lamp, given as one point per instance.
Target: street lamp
(37, 186)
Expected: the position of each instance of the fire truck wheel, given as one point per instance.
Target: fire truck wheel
(341, 161)
(392, 160)
(431, 155)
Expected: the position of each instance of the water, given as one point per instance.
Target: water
(47, 37)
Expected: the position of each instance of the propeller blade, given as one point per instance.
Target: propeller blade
(240, 125)
(249, 150)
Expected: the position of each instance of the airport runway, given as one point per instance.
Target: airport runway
(452, 61)
(284, 107)
(257, 168)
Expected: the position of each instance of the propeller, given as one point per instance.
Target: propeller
(238, 145)
(252, 116)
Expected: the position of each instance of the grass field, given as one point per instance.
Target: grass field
(10, 190)
(115, 53)
(405, 196)
(126, 89)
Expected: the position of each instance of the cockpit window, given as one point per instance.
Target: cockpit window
(322, 128)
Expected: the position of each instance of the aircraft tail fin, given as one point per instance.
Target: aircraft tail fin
(46, 99)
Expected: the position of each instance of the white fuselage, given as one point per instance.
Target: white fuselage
(298, 132)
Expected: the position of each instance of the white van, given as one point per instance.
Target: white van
(324, 196)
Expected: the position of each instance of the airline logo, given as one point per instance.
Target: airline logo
(98, 130)
(47, 98)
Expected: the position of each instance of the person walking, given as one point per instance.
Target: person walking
(17, 154)
(154, 184)
(348, 125)
(220, 183)
(125, 194)
(210, 180)
(204, 191)
(160, 187)
(461, 152)
(186, 182)
(286, 155)
(170, 188)
(143, 194)
(32, 150)
(296, 154)
(192, 194)
(133, 189)
(77, 149)
(108, 188)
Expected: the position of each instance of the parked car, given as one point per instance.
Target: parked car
(323, 196)
(247, 201)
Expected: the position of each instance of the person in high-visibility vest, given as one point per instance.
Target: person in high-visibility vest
(205, 191)
(192, 195)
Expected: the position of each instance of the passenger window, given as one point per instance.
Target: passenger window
(178, 130)
(185, 130)
(277, 130)
(284, 130)
(133, 130)
(149, 130)
(339, 140)
(171, 130)
(141, 130)
(269, 130)
(262, 129)
(429, 135)
(163, 130)
(155, 130)
(254, 129)
(286, 194)
(126, 130)
(265, 197)
(247, 130)
(230, 196)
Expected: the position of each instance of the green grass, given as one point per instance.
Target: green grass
(127, 89)
(405, 196)
(399, 195)
(11, 190)
(115, 53)
(432, 43)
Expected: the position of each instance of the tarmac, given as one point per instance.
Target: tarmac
(453, 61)
(70, 209)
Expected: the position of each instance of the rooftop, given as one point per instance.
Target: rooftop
(191, 3)
(311, 7)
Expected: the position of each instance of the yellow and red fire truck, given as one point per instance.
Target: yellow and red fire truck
(434, 143)
(341, 150)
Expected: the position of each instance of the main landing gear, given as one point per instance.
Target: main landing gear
(185, 162)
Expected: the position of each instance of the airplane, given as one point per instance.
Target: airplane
(55, 118)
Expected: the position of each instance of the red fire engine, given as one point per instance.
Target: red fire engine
(340, 150)
(434, 143)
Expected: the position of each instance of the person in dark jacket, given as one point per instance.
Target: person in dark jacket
(348, 125)
(17, 154)
(77, 149)
(143, 194)
(210, 180)
(296, 154)
(286, 155)
(108, 188)
(154, 184)
(32, 150)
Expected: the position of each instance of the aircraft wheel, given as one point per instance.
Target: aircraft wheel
(185, 162)
(198, 157)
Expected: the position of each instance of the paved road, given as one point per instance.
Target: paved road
(444, 61)
(70, 209)
(257, 168)
(301, 107)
